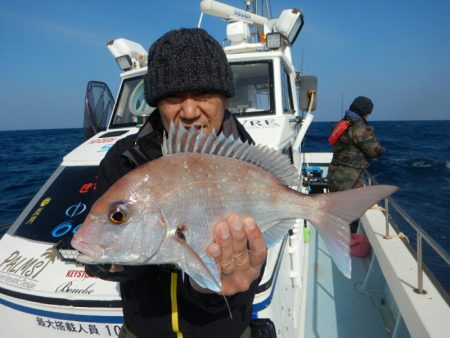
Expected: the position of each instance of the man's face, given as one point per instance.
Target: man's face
(194, 110)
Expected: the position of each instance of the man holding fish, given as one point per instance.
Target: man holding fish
(190, 81)
(184, 214)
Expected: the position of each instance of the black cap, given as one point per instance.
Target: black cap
(361, 105)
(187, 60)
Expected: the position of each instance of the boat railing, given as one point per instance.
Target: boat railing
(421, 235)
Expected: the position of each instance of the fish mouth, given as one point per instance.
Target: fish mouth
(87, 252)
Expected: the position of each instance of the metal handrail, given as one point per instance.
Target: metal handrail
(420, 233)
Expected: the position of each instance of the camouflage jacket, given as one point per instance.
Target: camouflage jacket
(353, 152)
(357, 146)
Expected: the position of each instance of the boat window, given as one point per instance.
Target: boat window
(254, 94)
(131, 105)
(288, 106)
(62, 207)
(254, 88)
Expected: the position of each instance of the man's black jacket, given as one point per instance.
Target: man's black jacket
(148, 304)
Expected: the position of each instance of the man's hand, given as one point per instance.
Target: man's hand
(239, 251)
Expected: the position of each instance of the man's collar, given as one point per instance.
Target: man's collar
(351, 115)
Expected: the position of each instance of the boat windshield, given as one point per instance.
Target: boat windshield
(254, 94)
(254, 88)
(131, 105)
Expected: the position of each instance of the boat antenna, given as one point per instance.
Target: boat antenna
(269, 9)
(301, 61)
(199, 25)
(263, 9)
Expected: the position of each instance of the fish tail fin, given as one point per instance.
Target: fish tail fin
(337, 211)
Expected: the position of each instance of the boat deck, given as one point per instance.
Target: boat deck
(337, 306)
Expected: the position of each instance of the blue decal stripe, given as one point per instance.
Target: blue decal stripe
(61, 301)
(65, 316)
(266, 302)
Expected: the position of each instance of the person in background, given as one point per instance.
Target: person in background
(354, 146)
(190, 82)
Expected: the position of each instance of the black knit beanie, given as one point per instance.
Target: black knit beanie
(361, 105)
(186, 60)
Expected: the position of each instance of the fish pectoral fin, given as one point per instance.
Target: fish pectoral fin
(202, 270)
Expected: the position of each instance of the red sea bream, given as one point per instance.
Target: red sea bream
(164, 211)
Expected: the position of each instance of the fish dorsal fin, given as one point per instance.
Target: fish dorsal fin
(181, 140)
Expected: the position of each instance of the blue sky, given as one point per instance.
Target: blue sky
(396, 52)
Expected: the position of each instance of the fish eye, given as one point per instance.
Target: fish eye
(118, 214)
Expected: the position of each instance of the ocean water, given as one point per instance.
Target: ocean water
(417, 160)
